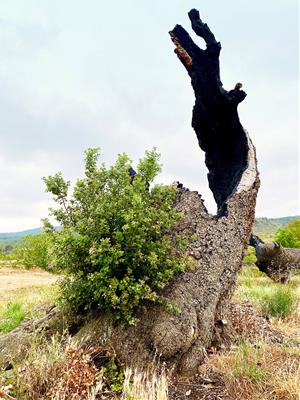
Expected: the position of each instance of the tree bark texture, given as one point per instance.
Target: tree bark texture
(203, 294)
(274, 260)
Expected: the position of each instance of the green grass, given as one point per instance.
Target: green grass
(11, 317)
(279, 303)
(273, 299)
(248, 363)
(25, 302)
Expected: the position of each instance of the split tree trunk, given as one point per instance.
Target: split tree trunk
(276, 261)
(203, 294)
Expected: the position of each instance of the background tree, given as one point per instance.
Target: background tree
(289, 235)
(33, 251)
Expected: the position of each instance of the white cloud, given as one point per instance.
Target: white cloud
(75, 75)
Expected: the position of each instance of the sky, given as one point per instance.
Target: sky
(77, 74)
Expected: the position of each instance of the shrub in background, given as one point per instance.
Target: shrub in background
(289, 235)
(114, 243)
(6, 252)
(32, 251)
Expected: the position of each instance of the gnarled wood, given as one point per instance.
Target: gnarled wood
(276, 261)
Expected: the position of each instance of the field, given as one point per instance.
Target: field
(14, 280)
(23, 294)
(262, 361)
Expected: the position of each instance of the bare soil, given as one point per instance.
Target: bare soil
(12, 279)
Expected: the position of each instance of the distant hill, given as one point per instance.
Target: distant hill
(270, 225)
(262, 226)
(11, 238)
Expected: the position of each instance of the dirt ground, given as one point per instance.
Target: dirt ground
(12, 279)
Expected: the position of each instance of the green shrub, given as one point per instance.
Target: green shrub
(114, 243)
(32, 251)
(279, 303)
(289, 235)
(6, 252)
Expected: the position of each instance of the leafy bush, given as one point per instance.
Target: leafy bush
(32, 251)
(289, 236)
(114, 241)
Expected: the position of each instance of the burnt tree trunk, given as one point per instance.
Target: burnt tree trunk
(202, 294)
(274, 260)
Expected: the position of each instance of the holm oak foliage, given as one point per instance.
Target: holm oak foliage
(114, 242)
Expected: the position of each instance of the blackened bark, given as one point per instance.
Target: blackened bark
(215, 117)
(274, 260)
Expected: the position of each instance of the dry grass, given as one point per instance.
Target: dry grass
(59, 370)
(24, 294)
(260, 370)
(150, 385)
(13, 281)
(30, 297)
(264, 372)
(62, 369)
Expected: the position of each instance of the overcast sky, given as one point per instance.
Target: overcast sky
(78, 74)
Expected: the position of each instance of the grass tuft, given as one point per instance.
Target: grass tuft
(273, 299)
(149, 385)
(247, 363)
(279, 303)
(25, 302)
(11, 317)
